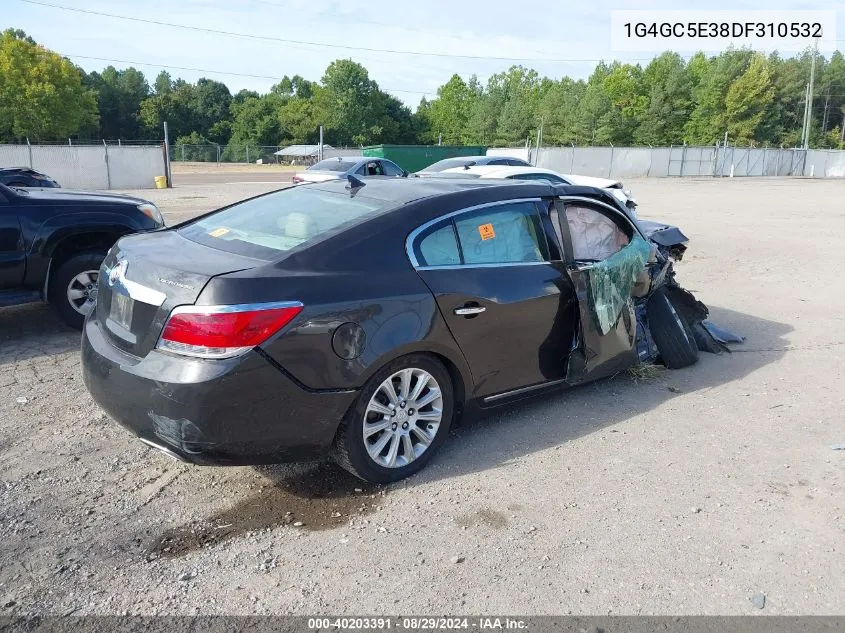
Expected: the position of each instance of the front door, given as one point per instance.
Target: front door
(504, 293)
(12, 253)
(606, 258)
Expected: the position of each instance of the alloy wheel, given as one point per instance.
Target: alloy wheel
(82, 291)
(402, 418)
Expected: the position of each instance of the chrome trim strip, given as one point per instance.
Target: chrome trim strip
(241, 307)
(471, 266)
(516, 392)
(134, 290)
(409, 242)
(164, 450)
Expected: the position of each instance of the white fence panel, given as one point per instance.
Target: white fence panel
(14, 156)
(134, 167)
(74, 167)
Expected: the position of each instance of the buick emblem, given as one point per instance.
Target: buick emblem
(118, 272)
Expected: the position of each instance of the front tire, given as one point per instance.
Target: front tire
(73, 287)
(398, 422)
(672, 334)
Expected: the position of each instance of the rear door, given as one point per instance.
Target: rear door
(605, 258)
(12, 252)
(502, 288)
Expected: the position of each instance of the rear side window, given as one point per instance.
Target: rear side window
(500, 234)
(439, 247)
(268, 226)
(504, 234)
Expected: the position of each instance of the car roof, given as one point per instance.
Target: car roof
(499, 171)
(405, 190)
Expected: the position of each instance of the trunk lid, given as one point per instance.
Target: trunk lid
(145, 276)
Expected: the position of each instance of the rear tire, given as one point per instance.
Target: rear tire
(423, 432)
(672, 334)
(74, 278)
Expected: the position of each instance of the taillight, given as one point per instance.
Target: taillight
(224, 331)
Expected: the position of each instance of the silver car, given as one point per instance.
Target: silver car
(343, 166)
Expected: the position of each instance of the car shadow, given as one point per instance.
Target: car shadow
(31, 331)
(324, 496)
(491, 441)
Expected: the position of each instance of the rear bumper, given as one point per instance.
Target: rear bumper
(225, 412)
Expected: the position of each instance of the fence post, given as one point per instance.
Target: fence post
(29, 147)
(610, 168)
(777, 164)
(218, 155)
(572, 162)
(650, 160)
(108, 169)
(683, 158)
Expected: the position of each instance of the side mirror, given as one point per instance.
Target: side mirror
(404, 173)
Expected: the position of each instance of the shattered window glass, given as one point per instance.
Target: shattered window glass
(594, 235)
(611, 281)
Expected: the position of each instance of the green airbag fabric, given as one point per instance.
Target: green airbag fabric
(610, 282)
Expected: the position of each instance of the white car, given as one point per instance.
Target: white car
(614, 187)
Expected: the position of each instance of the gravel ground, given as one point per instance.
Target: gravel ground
(696, 492)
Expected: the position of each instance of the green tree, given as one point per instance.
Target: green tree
(449, 113)
(667, 87)
(747, 100)
(344, 104)
(42, 96)
(119, 97)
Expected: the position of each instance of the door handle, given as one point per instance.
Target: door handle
(469, 310)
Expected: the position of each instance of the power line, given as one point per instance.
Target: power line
(306, 42)
(213, 72)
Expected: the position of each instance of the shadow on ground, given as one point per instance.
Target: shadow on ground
(31, 331)
(323, 496)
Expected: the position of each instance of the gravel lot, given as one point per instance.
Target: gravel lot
(691, 493)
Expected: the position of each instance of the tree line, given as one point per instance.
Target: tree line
(755, 98)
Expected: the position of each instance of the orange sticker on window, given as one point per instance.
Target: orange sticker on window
(219, 232)
(486, 231)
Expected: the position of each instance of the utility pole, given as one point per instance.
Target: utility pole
(810, 94)
(167, 173)
(806, 110)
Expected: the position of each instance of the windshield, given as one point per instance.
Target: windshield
(267, 226)
(333, 164)
(448, 163)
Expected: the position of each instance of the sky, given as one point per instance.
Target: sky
(555, 37)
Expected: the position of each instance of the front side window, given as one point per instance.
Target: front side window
(391, 169)
(539, 176)
(594, 235)
(332, 164)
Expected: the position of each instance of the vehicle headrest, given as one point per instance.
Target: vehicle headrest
(298, 226)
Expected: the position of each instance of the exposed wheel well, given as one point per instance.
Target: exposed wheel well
(458, 386)
(84, 242)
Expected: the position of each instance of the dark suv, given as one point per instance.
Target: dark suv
(25, 177)
(52, 242)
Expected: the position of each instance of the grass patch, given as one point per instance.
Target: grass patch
(644, 372)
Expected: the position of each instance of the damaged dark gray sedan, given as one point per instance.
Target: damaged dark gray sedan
(362, 318)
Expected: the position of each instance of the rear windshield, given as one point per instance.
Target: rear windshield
(333, 164)
(449, 163)
(268, 226)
